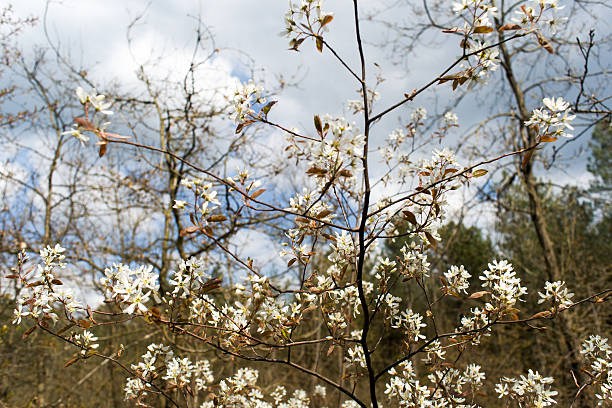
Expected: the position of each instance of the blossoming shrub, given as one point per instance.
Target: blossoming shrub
(345, 292)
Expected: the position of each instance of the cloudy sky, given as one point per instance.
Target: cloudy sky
(95, 35)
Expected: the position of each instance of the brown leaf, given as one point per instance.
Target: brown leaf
(102, 150)
(188, 230)
(216, 218)
(291, 261)
(84, 123)
(71, 361)
(29, 331)
(257, 193)
(11, 276)
(431, 239)
(541, 315)
(480, 294)
(57, 282)
(316, 170)
(544, 43)
(319, 42)
(84, 323)
(410, 217)
(323, 214)
(295, 43)
(242, 125)
(345, 173)
(450, 77)
(212, 284)
(90, 315)
(508, 27)
(317, 123)
(326, 20)
(479, 173)
(331, 349)
(483, 30)
(330, 237)
(66, 327)
(547, 139)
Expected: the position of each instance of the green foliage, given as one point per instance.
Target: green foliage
(600, 162)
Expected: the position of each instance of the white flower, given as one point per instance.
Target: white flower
(83, 97)
(96, 100)
(557, 294)
(457, 279)
(320, 391)
(532, 390)
(450, 119)
(418, 115)
(19, 313)
(552, 119)
(76, 132)
(245, 96)
(179, 204)
(505, 286)
(355, 357)
(412, 322)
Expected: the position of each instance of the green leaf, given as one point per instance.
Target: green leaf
(268, 106)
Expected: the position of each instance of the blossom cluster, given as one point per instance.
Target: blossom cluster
(552, 119)
(532, 390)
(456, 280)
(205, 200)
(190, 276)
(451, 387)
(239, 390)
(539, 13)
(411, 323)
(246, 98)
(598, 354)
(86, 340)
(100, 104)
(335, 156)
(356, 105)
(392, 150)
(478, 13)
(98, 101)
(305, 18)
(159, 360)
(414, 263)
(557, 293)
(504, 285)
(130, 288)
(42, 289)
